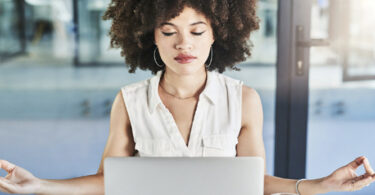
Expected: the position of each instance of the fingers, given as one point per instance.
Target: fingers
(4, 190)
(365, 181)
(367, 166)
(362, 160)
(5, 186)
(7, 166)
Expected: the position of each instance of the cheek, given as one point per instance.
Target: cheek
(160, 39)
(165, 51)
(206, 42)
(204, 45)
(165, 48)
(164, 45)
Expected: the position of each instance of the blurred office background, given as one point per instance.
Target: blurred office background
(58, 78)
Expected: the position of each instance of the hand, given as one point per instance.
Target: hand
(345, 178)
(18, 180)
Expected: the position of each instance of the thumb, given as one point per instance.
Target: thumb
(7, 166)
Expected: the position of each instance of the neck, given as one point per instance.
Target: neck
(183, 86)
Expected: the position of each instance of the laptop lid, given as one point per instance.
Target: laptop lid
(183, 175)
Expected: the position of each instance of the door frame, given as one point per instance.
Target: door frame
(292, 89)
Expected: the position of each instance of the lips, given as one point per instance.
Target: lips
(185, 58)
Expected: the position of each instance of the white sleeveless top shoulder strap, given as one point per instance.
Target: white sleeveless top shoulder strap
(216, 124)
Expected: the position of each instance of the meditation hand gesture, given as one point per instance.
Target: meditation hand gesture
(18, 180)
(345, 178)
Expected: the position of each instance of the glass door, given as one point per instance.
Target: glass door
(341, 117)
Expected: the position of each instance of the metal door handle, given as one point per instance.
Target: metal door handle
(303, 44)
(313, 43)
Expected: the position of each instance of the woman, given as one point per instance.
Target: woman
(187, 107)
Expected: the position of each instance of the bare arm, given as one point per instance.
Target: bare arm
(250, 143)
(120, 143)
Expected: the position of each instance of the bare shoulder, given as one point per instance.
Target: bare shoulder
(119, 113)
(120, 140)
(249, 94)
(250, 140)
(252, 112)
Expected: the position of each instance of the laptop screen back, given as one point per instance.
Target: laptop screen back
(184, 175)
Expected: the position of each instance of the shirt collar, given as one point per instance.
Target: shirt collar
(153, 94)
(212, 87)
(209, 91)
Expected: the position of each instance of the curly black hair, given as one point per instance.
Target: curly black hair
(134, 21)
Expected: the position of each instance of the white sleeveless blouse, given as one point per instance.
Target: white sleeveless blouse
(215, 128)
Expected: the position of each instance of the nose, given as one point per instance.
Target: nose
(184, 43)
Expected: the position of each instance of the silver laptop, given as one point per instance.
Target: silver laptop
(183, 176)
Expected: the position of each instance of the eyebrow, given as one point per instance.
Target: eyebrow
(171, 24)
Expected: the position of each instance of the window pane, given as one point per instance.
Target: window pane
(259, 72)
(361, 54)
(10, 42)
(94, 42)
(341, 114)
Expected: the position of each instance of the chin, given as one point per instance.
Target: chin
(186, 69)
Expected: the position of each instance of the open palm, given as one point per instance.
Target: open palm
(18, 180)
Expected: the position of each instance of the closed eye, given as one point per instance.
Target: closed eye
(200, 33)
(194, 33)
(168, 34)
